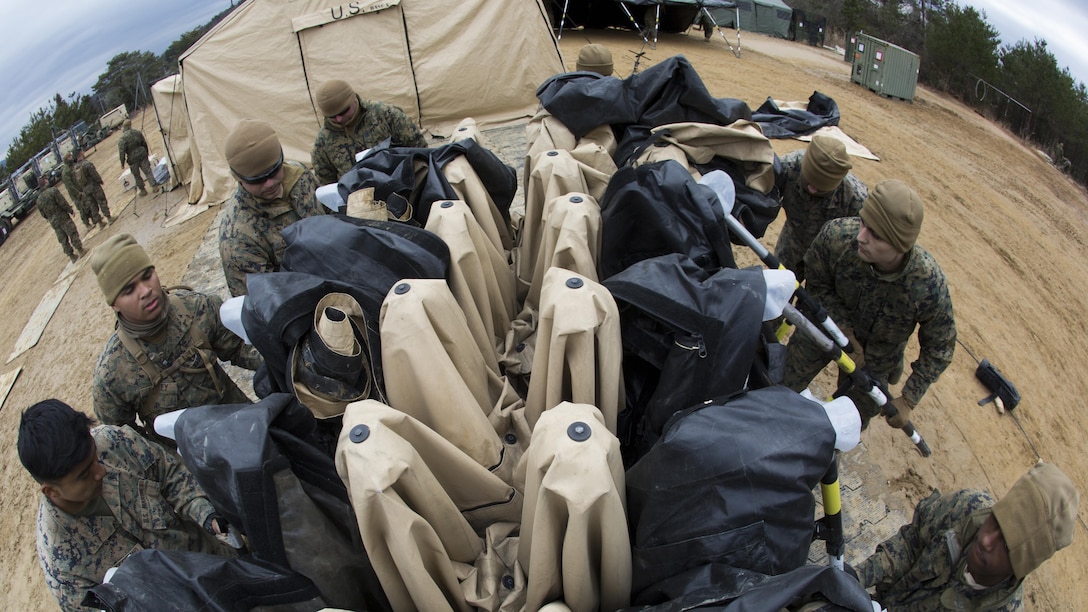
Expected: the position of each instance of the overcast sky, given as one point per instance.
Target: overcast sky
(62, 46)
(1063, 24)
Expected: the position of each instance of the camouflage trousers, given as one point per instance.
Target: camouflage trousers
(140, 170)
(88, 211)
(95, 200)
(67, 236)
(804, 360)
(790, 250)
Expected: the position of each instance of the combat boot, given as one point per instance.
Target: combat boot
(143, 191)
(73, 257)
(102, 223)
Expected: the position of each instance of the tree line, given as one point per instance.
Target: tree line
(1020, 86)
(127, 80)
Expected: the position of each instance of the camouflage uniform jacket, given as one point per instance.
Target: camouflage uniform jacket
(920, 569)
(87, 176)
(121, 386)
(249, 236)
(807, 213)
(884, 309)
(335, 147)
(132, 147)
(70, 178)
(53, 206)
(155, 502)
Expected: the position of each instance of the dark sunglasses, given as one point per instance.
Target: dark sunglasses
(261, 178)
(341, 113)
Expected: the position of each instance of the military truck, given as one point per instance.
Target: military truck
(114, 118)
(18, 195)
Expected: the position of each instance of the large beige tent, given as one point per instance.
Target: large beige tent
(439, 61)
(169, 104)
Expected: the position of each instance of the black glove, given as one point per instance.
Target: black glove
(215, 524)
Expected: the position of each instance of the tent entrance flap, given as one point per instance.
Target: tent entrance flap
(333, 49)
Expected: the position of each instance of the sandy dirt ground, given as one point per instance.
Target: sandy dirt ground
(1009, 230)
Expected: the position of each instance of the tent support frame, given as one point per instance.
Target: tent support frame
(706, 12)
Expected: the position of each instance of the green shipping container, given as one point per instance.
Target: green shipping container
(887, 69)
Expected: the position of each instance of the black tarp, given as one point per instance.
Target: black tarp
(279, 311)
(260, 469)
(729, 589)
(689, 335)
(788, 123)
(656, 209)
(327, 254)
(753, 208)
(371, 255)
(181, 581)
(729, 482)
(392, 172)
(669, 92)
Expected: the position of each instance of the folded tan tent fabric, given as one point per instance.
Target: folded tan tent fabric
(480, 277)
(435, 372)
(700, 142)
(574, 542)
(578, 350)
(442, 532)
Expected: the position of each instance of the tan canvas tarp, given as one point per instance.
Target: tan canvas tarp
(439, 61)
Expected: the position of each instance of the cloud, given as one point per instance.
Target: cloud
(1061, 23)
(64, 45)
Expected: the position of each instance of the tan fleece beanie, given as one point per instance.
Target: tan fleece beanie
(252, 148)
(595, 58)
(894, 211)
(825, 163)
(115, 262)
(334, 96)
(1037, 517)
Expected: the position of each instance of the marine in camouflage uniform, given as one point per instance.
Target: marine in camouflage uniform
(271, 195)
(57, 210)
(132, 148)
(806, 212)
(883, 310)
(75, 191)
(921, 568)
(249, 236)
(121, 386)
(337, 143)
(94, 197)
(966, 552)
(148, 500)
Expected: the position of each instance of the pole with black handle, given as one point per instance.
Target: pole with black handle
(858, 376)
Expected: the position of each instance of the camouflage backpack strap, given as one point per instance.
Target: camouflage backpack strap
(200, 345)
(133, 347)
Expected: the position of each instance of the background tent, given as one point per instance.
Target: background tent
(169, 104)
(674, 15)
(770, 17)
(439, 61)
